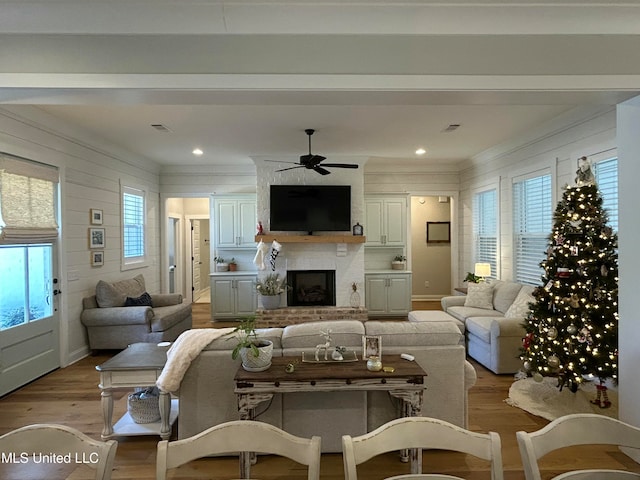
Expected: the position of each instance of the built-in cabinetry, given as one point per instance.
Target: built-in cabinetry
(233, 295)
(385, 220)
(234, 218)
(388, 294)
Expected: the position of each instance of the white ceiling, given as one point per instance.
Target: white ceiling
(235, 113)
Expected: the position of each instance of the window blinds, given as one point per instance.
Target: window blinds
(485, 229)
(133, 221)
(606, 172)
(28, 192)
(532, 218)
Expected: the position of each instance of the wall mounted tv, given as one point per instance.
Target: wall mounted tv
(310, 208)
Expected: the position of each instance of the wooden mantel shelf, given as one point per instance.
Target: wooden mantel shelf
(284, 238)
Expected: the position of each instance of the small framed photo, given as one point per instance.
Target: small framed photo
(96, 216)
(96, 238)
(371, 346)
(97, 258)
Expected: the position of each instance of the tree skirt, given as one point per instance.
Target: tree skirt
(547, 401)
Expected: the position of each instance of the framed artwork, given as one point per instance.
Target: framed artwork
(97, 258)
(96, 238)
(96, 216)
(371, 346)
(438, 232)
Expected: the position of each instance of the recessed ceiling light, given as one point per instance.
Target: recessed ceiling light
(421, 151)
(197, 152)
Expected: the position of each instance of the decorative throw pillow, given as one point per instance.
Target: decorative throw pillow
(479, 295)
(114, 294)
(142, 300)
(520, 306)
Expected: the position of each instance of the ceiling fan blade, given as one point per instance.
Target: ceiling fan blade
(340, 165)
(282, 161)
(321, 171)
(289, 168)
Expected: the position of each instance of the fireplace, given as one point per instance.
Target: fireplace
(311, 287)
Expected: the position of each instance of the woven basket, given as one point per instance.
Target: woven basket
(143, 406)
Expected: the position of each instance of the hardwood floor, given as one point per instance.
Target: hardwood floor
(70, 396)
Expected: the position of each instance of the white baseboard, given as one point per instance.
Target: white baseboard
(426, 298)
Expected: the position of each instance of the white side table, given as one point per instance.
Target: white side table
(139, 365)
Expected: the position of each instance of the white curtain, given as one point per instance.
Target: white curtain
(28, 193)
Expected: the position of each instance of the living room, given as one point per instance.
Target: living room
(92, 169)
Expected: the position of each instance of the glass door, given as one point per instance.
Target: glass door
(29, 329)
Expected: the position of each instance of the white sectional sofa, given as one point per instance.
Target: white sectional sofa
(207, 397)
(493, 314)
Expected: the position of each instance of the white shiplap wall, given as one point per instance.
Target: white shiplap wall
(90, 175)
(556, 145)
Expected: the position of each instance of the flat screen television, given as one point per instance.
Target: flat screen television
(310, 208)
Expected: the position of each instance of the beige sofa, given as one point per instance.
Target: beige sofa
(207, 397)
(112, 325)
(493, 321)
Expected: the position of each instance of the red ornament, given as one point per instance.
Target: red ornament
(526, 341)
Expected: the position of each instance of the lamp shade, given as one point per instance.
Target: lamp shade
(482, 269)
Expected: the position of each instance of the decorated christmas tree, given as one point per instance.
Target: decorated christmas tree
(572, 327)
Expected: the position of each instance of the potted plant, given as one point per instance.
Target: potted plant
(233, 266)
(398, 262)
(221, 265)
(269, 289)
(256, 353)
(471, 278)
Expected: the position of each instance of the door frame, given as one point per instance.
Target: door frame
(189, 251)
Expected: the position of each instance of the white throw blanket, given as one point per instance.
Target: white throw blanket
(180, 355)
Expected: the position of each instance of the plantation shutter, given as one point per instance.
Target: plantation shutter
(485, 229)
(532, 217)
(606, 173)
(133, 224)
(28, 192)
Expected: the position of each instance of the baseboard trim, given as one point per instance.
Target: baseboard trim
(426, 298)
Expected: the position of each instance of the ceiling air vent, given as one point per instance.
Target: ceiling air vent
(451, 128)
(160, 127)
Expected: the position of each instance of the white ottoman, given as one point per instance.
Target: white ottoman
(434, 316)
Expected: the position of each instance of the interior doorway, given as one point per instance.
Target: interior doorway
(200, 259)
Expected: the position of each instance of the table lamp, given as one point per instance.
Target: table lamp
(482, 270)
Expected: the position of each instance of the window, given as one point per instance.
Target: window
(485, 228)
(532, 221)
(133, 227)
(606, 173)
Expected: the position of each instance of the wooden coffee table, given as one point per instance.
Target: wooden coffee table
(138, 365)
(405, 383)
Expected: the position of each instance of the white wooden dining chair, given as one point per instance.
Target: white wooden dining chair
(47, 439)
(573, 430)
(240, 436)
(421, 433)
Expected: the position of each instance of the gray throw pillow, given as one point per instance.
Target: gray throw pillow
(479, 295)
(115, 294)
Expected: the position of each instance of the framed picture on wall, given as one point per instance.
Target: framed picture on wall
(97, 258)
(96, 238)
(96, 216)
(438, 232)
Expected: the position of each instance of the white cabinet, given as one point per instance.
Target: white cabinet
(385, 221)
(234, 218)
(233, 296)
(388, 294)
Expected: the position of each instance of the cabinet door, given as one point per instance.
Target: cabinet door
(222, 297)
(225, 223)
(373, 221)
(246, 226)
(376, 294)
(395, 223)
(246, 298)
(398, 294)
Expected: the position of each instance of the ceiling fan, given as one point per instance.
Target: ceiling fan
(312, 162)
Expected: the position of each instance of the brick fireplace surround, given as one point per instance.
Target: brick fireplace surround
(281, 317)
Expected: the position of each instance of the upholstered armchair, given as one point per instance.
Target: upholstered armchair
(122, 313)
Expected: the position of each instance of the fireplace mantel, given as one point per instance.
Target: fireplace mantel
(285, 238)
